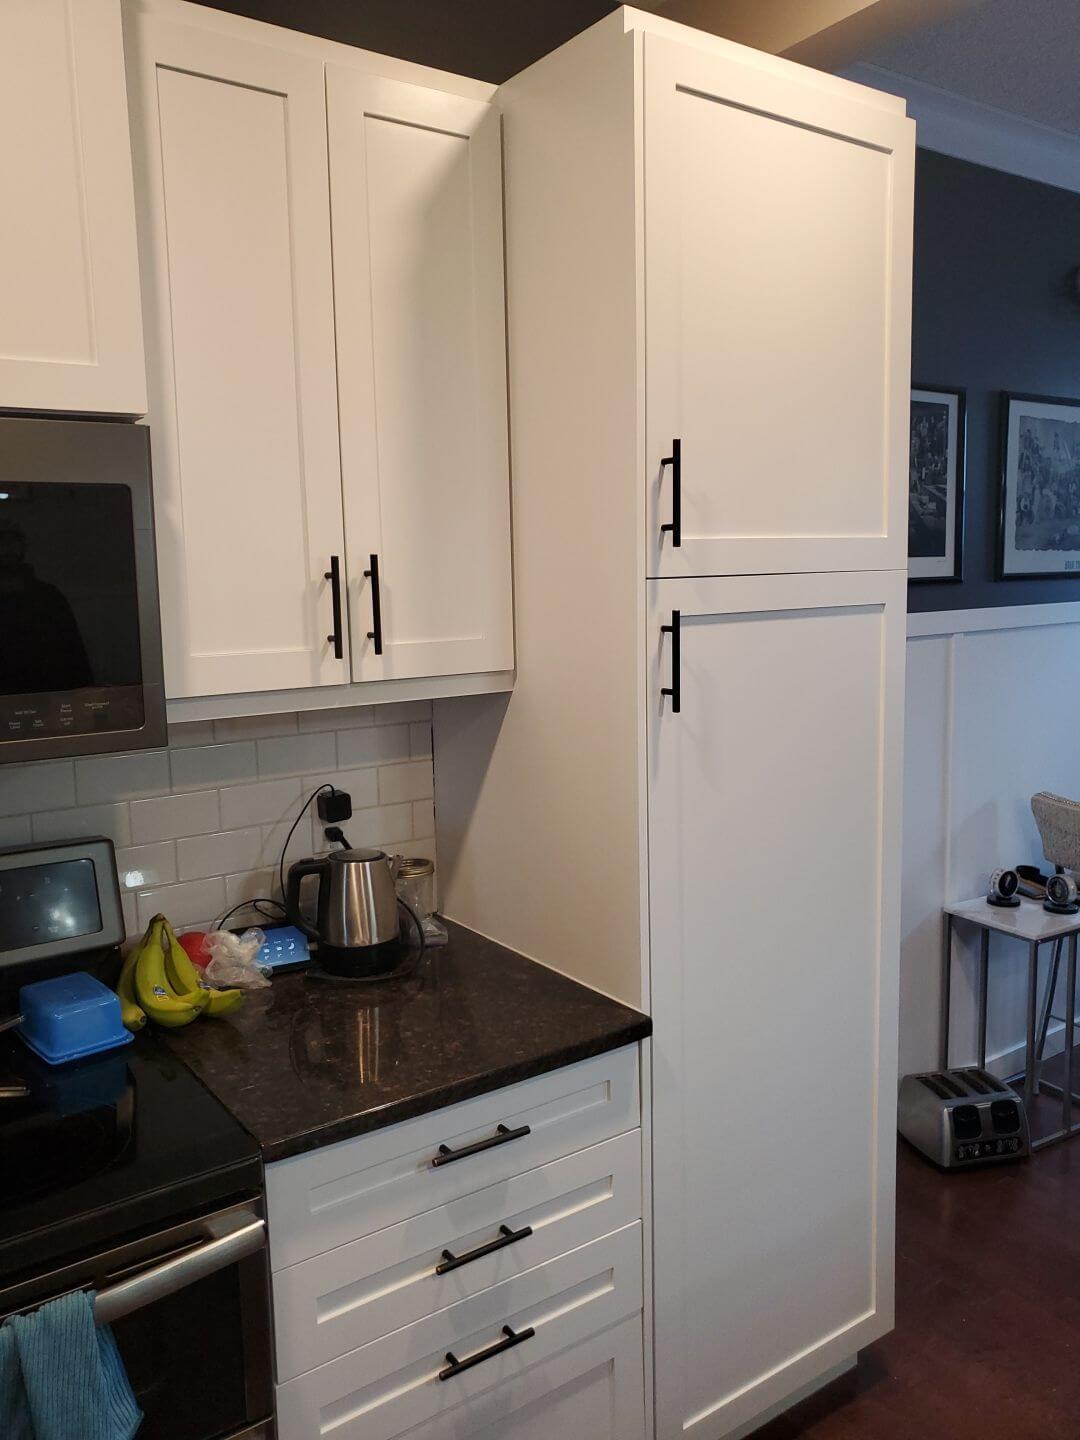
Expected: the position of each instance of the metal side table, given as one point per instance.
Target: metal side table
(1031, 924)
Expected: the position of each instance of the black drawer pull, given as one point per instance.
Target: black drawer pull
(674, 525)
(674, 690)
(502, 1135)
(450, 1261)
(334, 576)
(375, 633)
(454, 1366)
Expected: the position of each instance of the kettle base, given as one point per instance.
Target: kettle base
(362, 962)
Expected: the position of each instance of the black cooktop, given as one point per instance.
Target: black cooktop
(107, 1147)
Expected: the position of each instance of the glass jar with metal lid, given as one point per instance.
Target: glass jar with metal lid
(416, 887)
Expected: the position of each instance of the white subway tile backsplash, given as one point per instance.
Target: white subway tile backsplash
(297, 754)
(384, 826)
(374, 745)
(362, 785)
(192, 902)
(191, 732)
(420, 740)
(414, 781)
(130, 906)
(273, 838)
(203, 766)
(252, 885)
(423, 817)
(237, 786)
(46, 785)
(346, 717)
(263, 803)
(139, 866)
(103, 778)
(254, 727)
(174, 816)
(200, 856)
(112, 821)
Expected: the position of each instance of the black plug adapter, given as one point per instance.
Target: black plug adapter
(334, 806)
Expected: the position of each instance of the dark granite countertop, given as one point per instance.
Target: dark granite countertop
(311, 1061)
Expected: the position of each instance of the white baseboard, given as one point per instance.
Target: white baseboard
(1012, 1061)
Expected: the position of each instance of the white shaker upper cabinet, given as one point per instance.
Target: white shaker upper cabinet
(778, 216)
(240, 328)
(70, 328)
(774, 797)
(418, 271)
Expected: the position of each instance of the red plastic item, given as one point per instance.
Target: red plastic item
(194, 942)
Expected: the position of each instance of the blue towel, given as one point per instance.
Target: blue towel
(61, 1377)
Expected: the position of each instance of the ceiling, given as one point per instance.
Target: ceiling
(1016, 55)
(487, 39)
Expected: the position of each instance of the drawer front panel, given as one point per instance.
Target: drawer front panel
(389, 1387)
(342, 1192)
(594, 1391)
(338, 1301)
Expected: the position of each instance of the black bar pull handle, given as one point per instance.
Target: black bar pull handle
(334, 576)
(454, 1366)
(675, 688)
(503, 1135)
(375, 633)
(450, 1261)
(675, 461)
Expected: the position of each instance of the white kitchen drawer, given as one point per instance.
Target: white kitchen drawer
(342, 1192)
(387, 1388)
(593, 1391)
(358, 1292)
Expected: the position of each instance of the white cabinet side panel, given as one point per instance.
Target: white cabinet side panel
(537, 797)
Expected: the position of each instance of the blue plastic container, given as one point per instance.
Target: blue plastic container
(70, 1017)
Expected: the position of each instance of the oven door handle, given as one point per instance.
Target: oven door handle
(245, 1236)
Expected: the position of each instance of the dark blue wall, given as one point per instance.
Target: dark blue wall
(995, 258)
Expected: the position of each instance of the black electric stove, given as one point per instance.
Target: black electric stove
(108, 1147)
(121, 1175)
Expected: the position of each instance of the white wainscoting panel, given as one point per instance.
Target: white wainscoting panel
(993, 714)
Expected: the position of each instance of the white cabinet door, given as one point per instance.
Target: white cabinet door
(70, 327)
(234, 209)
(778, 219)
(418, 271)
(774, 841)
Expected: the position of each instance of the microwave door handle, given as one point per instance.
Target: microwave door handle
(246, 1238)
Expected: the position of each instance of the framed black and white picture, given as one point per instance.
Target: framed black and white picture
(936, 484)
(1039, 532)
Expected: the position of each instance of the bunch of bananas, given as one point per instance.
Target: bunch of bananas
(158, 980)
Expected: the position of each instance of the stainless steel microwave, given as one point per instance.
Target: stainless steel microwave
(80, 627)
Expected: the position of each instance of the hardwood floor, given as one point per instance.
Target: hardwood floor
(987, 1338)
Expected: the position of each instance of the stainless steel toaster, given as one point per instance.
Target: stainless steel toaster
(959, 1118)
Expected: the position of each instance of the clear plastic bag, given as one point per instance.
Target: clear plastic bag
(233, 961)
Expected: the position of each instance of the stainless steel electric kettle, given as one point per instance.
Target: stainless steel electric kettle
(356, 918)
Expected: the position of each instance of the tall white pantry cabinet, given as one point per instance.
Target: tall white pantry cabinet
(692, 797)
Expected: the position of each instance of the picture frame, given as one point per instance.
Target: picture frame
(1039, 510)
(936, 474)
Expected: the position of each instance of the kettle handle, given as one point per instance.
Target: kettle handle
(297, 872)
